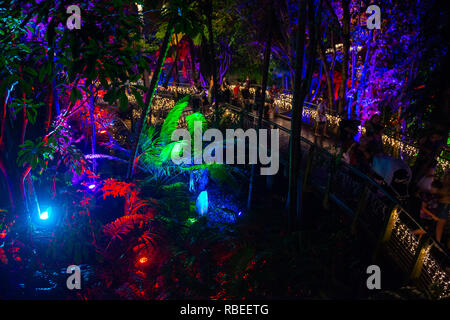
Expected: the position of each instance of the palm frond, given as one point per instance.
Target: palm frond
(196, 117)
(171, 122)
(151, 147)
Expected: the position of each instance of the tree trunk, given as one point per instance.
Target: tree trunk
(297, 110)
(362, 80)
(262, 103)
(345, 51)
(166, 81)
(322, 65)
(194, 75)
(327, 69)
(333, 63)
(149, 96)
(306, 84)
(212, 51)
(14, 174)
(175, 78)
(313, 96)
(299, 99)
(91, 109)
(352, 81)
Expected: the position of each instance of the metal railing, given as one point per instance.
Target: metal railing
(373, 210)
(394, 144)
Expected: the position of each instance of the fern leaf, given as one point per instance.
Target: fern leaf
(124, 225)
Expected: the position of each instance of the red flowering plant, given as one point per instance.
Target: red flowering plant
(4, 230)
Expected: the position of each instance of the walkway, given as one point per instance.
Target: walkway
(381, 217)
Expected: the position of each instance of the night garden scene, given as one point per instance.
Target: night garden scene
(194, 152)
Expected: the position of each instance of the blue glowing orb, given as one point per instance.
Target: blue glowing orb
(45, 214)
(202, 202)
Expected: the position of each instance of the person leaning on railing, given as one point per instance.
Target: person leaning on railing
(374, 134)
(246, 96)
(226, 91)
(273, 93)
(321, 119)
(197, 96)
(434, 211)
(236, 90)
(348, 129)
(429, 148)
(258, 98)
(446, 200)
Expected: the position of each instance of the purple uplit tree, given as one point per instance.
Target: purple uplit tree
(225, 61)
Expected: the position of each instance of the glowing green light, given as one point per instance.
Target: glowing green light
(191, 221)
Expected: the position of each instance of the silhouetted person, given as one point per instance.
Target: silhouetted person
(321, 119)
(258, 98)
(429, 149)
(348, 129)
(246, 96)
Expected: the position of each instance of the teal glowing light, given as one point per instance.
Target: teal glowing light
(202, 202)
(45, 215)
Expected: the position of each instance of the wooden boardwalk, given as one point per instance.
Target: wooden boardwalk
(379, 215)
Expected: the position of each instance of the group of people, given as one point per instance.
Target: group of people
(361, 154)
(321, 119)
(434, 209)
(243, 97)
(238, 95)
(433, 193)
(429, 196)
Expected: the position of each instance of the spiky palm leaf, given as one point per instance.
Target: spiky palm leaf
(195, 117)
(155, 156)
(151, 147)
(171, 122)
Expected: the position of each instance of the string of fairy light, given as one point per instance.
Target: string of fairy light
(436, 273)
(406, 237)
(283, 103)
(161, 105)
(431, 266)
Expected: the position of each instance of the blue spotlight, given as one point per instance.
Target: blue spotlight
(202, 202)
(45, 214)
